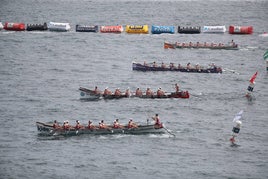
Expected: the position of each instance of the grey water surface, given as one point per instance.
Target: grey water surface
(40, 73)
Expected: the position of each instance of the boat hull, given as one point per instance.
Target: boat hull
(144, 68)
(47, 129)
(216, 47)
(87, 94)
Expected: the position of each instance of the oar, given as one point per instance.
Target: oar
(229, 70)
(169, 131)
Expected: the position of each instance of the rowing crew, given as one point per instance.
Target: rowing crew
(138, 92)
(102, 125)
(173, 66)
(183, 44)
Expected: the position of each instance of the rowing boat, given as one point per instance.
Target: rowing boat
(47, 129)
(145, 67)
(201, 46)
(87, 94)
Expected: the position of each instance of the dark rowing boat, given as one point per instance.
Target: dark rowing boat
(146, 67)
(219, 46)
(87, 94)
(48, 130)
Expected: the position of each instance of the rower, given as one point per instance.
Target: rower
(90, 125)
(56, 125)
(127, 93)
(78, 125)
(190, 44)
(197, 66)
(117, 92)
(96, 90)
(189, 65)
(157, 123)
(131, 124)
(149, 92)
(102, 125)
(160, 92)
(66, 125)
(138, 92)
(171, 66)
(107, 92)
(163, 65)
(117, 125)
(154, 64)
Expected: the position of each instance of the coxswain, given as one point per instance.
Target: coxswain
(232, 43)
(132, 124)
(160, 92)
(117, 92)
(117, 125)
(78, 125)
(177, 88)
(127, 93)
(90, 125)
(149, 92)
(138, 92)
(157, 123)
(107, 92)
(56, 125)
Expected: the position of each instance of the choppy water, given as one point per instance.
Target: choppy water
(42, 71)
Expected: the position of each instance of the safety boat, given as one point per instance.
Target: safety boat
(39, 27)
(171, 67)
(137, 29)
(86, 28)
(190, 45)
(58, 26)
(162, 29)
(189, 30)
(14, 26)
(240, 29)
(214, 29)
(112, 29)
(87, 94)
(47, 129)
